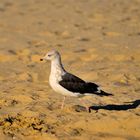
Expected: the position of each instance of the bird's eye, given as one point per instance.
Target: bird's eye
(49, 55)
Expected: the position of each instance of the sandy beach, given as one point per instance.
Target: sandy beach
(99, 41)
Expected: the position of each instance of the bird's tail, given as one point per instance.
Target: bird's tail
(103, 93)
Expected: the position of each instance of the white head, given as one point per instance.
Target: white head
(51, 55)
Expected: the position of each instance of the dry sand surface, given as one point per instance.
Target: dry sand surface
(99, 41)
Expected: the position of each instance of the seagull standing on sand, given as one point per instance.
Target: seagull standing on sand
(66, 83)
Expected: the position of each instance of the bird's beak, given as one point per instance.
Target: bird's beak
(44, 58)
(41, 59)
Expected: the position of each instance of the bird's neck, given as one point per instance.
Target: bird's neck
(57, 67)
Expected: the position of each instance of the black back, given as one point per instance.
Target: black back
(75, 84)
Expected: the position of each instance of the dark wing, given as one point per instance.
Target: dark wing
(75, 84)
(67, 77)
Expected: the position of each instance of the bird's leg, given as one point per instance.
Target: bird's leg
(62, 105)
(87, 108)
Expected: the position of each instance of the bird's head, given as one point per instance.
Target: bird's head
(51, 55)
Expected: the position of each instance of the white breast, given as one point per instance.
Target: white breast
(56, 75)
(54, 83)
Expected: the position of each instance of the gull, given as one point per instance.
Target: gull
(66, 83)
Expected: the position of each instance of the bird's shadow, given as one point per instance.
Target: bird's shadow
(131, 105)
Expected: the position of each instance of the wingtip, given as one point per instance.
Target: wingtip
(103, 93)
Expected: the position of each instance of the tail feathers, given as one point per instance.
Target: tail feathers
(103, 93)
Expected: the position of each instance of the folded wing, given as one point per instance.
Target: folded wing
(75, 84)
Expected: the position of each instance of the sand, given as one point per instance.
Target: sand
(99, 41)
